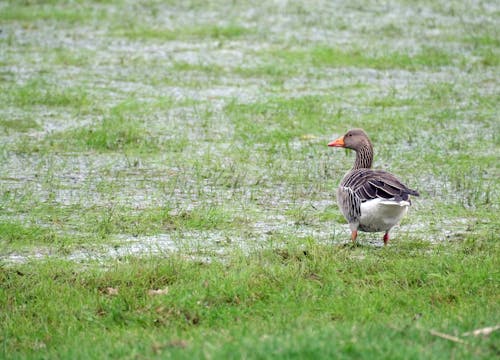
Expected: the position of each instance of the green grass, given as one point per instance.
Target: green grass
(122, 128)
(181, 147)
(18, 125)
(278, 120)
(40, 93)
(65, 12)
(303, 300)
(231, 31)
(112, 133)
(325, 56)
(23, 235)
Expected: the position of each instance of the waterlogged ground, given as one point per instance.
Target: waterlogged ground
(166, 190)
(131, 128)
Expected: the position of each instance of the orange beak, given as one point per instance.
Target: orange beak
(337, 143)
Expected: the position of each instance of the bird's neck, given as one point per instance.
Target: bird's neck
(364, 157)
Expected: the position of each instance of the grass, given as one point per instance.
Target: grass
(303, 300)
(164, 171)
(18, 125)
(324, 56)
(39, 92)
(278, 120)
(230, 31)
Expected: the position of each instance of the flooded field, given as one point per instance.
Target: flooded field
(166, 189)
(131, 127)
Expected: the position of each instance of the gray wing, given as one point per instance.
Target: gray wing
(370, 184)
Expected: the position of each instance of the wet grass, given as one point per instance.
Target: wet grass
(190, 33)
(39, 92)
(324, 56)
(279, 120)
(303, 300)
(29, 12)
(18, 125)
(181, 147)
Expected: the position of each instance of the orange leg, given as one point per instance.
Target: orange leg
(386, 238)
(354, 235)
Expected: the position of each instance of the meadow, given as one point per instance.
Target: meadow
(166, 190)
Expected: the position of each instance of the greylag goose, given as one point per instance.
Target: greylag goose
(371, 200)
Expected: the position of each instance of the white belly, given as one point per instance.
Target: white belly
(381, 215)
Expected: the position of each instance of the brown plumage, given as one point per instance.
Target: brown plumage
(371, 200)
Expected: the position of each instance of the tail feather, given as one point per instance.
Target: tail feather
(413, 192)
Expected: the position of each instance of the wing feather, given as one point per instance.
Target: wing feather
(370, 184)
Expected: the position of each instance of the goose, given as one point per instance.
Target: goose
(370, 200)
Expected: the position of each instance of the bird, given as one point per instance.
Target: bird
(370, 200)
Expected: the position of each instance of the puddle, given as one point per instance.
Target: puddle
(207, 245)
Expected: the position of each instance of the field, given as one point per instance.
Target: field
(166, 190)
